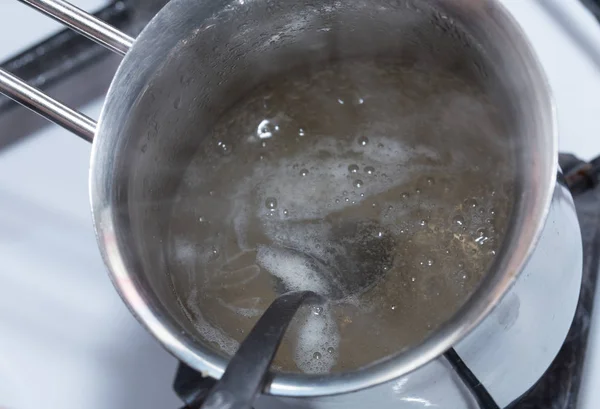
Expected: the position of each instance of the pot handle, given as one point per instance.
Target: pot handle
(40, 103)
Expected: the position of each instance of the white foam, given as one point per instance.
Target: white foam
(291, 268)
(313, 196)
(207, 331)
(317, 334)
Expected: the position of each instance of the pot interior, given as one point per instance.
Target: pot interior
(265, 126)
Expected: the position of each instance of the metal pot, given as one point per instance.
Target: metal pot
(202, 56)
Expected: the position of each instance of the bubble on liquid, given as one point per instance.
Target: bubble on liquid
(317, 355)
(266, 129)
(353, 168)
(304, 172)
(285, 212)
(363, 141)
(224, 148)
(358, 183)
(301, 132)
(373, 205)
(201, 219)
(330, 350)
(423, 222)
(461, 265)
(215, 252)
(317, 310)
(370, 170)
(418, 191)
(459, 220)
(472, 203)
(380, 146)
(263, 144)
(430, 262)
(405, 195)
(393, 307)
(337, 200)
(271, 203)
(430, 181)
(346, 199)
(481, 236)
(492, 211)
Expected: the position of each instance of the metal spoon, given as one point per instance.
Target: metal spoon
(246, 374)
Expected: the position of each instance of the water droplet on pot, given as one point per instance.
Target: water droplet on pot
(363, 141)
(353, 168)
(304, 172)
(358, 183)
(370, 170)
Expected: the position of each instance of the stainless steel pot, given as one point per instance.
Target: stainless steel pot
(195, 58)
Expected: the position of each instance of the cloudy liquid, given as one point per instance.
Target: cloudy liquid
(419, 157)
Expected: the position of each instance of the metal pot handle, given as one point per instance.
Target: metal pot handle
(40, 103)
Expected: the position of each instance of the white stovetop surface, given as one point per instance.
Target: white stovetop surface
(66, 339)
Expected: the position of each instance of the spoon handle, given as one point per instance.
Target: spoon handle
(246, 373)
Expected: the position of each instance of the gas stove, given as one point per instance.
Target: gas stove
(71, 340)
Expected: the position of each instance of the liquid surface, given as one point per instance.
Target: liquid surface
(397, 176)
